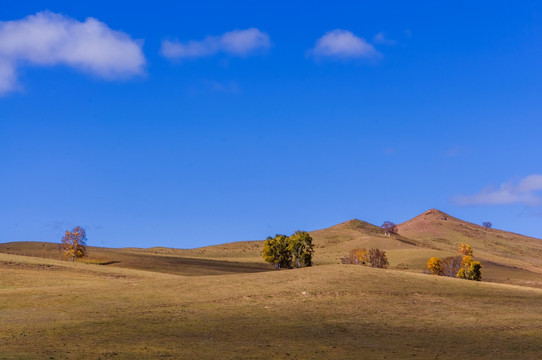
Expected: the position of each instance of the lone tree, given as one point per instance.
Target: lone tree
(74, 243)
(282, 251)
(389, 228)
(487, 224)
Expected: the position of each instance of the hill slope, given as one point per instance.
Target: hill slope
(336, 241)
(324, 312)
(506, 257)
(440, 231)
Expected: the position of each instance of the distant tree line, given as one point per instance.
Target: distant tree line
(287, 252)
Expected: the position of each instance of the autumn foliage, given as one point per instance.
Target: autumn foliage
(434, 265)
(462, 267)
(373, 258)
(465, 249)
(74, 243)
(356, 256)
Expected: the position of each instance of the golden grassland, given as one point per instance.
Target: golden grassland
(52, 309)
(224, 302)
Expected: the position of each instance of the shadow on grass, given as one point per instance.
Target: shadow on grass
(109, 262)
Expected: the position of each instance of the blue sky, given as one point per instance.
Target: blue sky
(182, 124)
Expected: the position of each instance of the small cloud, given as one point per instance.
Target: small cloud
(381, 38)
(229, 87)
(408, 33)
(343, 45)
(235, 43)
(48, 39)
(526, 192)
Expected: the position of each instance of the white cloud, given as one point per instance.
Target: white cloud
(528, 191)
(236, 43)
(48, 39)
(342, 44)
(381, 38)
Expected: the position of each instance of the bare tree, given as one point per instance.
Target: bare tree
(378, 258)
(451, 265)
(389, 228)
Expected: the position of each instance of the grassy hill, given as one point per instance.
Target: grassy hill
(506, 257)
(196, 262)
(495, 248)
(224, 302)
(54, 309)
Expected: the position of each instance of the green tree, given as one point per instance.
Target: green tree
(277, 251)
(74, 243)
(302, 248)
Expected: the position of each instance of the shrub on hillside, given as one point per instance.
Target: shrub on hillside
(356, 256)
(378, 258)
(373, 257)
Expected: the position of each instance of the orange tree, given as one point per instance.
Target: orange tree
(74, 243)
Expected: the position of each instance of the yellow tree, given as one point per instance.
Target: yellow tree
(465, 249)
(470, 270)
(74, 243)
(434, 265)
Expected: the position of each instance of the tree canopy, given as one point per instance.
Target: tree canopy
(389, 228)
(288, 252)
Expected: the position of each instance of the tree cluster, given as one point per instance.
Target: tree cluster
(74, 243)
(461, 266)
(373, 257)
(289, 252)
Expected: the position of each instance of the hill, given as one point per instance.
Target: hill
(195, 262)
(506, 257)
(437, 230)
(54, 309)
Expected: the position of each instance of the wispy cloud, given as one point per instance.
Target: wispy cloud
(343, 45)
(47, 39)
(228, 87)
(235, 43)
(381, 38)
(527, 191)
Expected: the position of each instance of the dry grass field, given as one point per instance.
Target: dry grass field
(224, 302)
